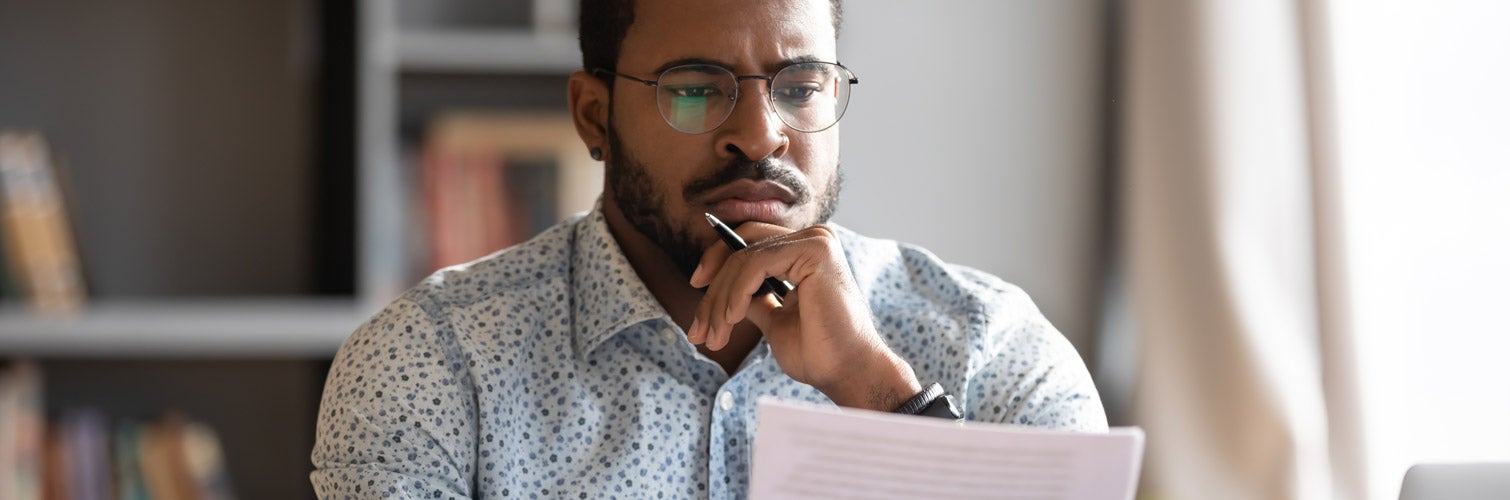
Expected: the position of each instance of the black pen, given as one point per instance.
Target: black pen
(735, 242)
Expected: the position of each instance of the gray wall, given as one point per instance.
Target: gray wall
(976, 132)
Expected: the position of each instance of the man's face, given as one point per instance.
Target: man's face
(751, 168)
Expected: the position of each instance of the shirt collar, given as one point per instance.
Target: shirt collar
(607, 295)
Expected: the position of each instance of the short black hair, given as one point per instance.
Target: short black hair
(601, 25)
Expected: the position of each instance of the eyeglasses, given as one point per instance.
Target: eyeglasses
(697, 98)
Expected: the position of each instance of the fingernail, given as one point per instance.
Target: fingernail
(699, 269)
(692, 334)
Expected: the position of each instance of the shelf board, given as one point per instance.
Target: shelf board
(165, 328)
(518, 51)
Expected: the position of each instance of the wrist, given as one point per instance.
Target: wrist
(881, 384)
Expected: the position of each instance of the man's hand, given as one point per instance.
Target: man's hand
(822, 334)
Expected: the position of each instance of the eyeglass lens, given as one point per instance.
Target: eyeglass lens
(808, 97)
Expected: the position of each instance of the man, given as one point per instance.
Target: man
(620, 353)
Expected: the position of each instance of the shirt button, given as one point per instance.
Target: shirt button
(726, 401)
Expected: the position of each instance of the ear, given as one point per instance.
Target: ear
(588, 98)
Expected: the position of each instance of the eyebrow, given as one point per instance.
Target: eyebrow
(714, 62)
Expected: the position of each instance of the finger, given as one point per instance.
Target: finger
(765, 310)
(708, 266)
(718, 301)
(705, 310)
(694, 331)
(731, 289)
(744, 274)
(703, 318)
(717, 252)
(755, 231)
(765, 307)
(721, 298)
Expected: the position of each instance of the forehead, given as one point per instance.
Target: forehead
(749, 36)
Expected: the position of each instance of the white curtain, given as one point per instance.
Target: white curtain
(1314, 210)
(1227, 241)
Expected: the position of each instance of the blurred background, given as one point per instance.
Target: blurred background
(1276, 231)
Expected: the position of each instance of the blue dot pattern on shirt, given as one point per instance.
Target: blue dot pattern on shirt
(547, 370)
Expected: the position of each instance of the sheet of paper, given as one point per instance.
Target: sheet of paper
(807, 451)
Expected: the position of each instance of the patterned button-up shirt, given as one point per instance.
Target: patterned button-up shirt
(548, 370)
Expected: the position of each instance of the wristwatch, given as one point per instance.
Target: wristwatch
(932, 402)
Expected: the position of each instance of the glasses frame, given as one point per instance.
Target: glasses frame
(770, 94)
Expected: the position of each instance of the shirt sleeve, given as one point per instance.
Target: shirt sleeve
(1032, 375)
(398, 415)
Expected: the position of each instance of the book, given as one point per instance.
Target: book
(466, 200)
(130, 484)
(84, 434)
(8, 288)
(39, 246)
(170, 457)
(163, 464)
(57, 463)
(22, 427)
(206, 462)
(491, 180)
(80, 456)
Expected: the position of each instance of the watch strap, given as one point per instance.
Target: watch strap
(916, 404)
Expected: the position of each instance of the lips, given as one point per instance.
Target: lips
(745, 200)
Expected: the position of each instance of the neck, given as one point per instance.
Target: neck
(654, 267)
(669, 286)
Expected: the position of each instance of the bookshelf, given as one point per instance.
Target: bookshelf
(416, 63)
(503, 52)
(406, 71)
(185, 328)
(245, 349)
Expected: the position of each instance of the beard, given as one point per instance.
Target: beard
(644, 206)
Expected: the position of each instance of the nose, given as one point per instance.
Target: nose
(753, 129)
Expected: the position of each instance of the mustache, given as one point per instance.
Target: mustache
(743, 168)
